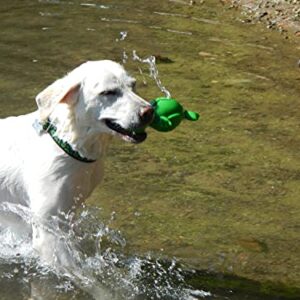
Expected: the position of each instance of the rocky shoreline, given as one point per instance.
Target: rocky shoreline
(282, 15)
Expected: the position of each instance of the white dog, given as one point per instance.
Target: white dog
(52, 159)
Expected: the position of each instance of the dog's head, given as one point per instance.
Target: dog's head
(99, 97)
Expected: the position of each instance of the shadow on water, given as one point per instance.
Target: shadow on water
(30, 283)
(220, 195)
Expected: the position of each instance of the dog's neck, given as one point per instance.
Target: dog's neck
(81, 139)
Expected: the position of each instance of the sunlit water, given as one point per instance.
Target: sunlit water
(220, 195)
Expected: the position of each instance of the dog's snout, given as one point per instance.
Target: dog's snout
(147, 114)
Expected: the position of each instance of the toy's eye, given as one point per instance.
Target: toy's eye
(114, 92)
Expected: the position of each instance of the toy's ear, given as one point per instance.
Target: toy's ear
(58, 92)
(191, 115)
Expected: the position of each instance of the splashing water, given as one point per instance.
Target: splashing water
(124, 57)
(102, 270)
(123, 35)
(153, 71)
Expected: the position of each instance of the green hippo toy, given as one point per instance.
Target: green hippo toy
(168, 114)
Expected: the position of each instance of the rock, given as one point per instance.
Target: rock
(163, 59)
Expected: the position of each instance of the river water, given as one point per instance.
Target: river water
(210, 210)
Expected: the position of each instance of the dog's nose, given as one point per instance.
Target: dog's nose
(147, 114)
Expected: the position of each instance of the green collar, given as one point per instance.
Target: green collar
(51, 129)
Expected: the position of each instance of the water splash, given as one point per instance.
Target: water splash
(102, 271)
(123, 35)
(124, 57)
(153, 71)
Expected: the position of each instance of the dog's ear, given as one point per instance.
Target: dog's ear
(60, 91)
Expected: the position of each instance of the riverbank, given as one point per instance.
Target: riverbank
(281, 15)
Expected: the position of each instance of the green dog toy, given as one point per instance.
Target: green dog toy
(168, 114)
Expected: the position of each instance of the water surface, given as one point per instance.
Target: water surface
(220, 195)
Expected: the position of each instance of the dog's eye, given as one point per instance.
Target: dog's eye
(114, 92)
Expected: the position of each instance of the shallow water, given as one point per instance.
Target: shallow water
(220, 195)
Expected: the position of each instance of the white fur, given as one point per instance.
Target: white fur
(38, 174)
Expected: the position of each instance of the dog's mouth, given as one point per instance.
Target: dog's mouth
(127, 134)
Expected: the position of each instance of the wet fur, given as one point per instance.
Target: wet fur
(36, 173)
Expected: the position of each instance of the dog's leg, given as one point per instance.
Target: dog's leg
(49, 238)
(52, 247)
(55, 250)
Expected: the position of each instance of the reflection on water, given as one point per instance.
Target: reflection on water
(220, 194)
